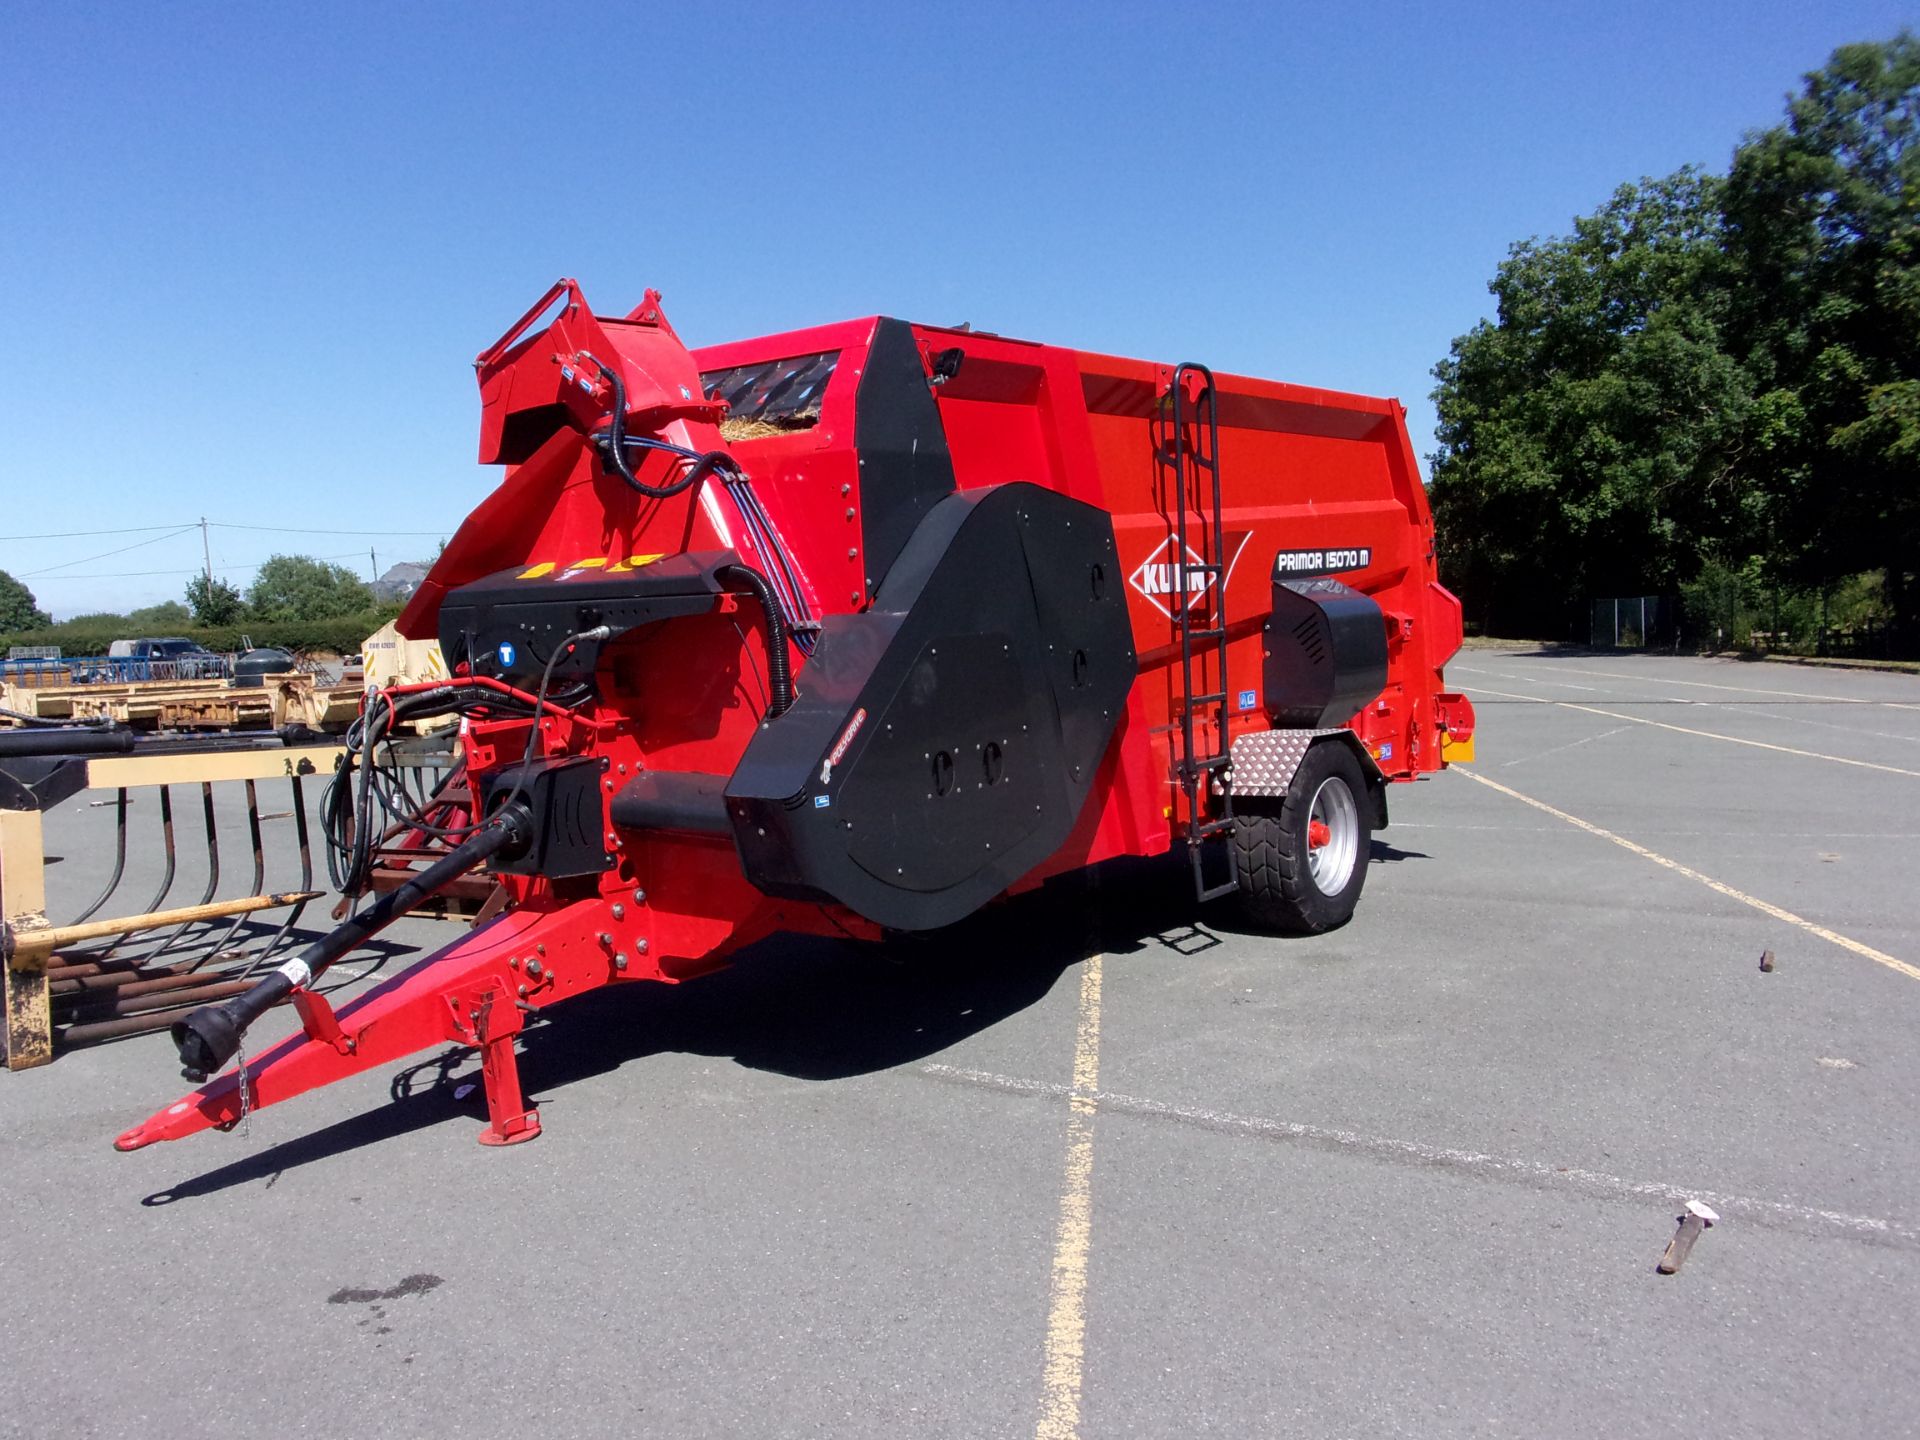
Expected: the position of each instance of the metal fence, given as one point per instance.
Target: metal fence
(114, 670)
(1635, 622)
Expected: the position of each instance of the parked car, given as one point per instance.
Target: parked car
(170, 657)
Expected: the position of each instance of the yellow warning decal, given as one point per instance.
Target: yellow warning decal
(595, 562)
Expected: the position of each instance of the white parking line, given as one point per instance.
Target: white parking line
(1524, 679)
(1879, 957)
(1707, 704)
(1708, 685)
(1809, 720)
(1471, 1162)
(1571, 744)
(1704, 734)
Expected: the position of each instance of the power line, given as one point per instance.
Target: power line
(84, 560)
(217, 525)
(81, 534)
(315, 530)
(193, 570)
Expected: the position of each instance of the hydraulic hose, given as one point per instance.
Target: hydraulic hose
(614, 446)
(209, 1037)
(779, 663)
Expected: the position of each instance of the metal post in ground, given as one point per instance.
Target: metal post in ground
(23, 972)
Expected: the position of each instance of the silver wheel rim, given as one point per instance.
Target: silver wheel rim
(1331, 864)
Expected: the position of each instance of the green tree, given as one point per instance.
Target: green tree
(1590, 435)
(298, 587)
(1707, 372)
(213, 601)
(167, 615)
(18, 610)
(1823, 229)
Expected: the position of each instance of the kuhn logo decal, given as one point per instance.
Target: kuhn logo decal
(1158, 577)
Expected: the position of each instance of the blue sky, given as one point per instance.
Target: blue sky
(250, 252)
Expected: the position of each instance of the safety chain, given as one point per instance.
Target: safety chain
(246, 1104)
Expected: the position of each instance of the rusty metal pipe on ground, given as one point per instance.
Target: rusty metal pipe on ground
(143, 985)
(93, 1032)
(169, 1000)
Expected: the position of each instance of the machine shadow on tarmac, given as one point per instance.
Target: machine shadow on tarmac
(808, 1008)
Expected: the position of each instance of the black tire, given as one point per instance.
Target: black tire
(1271, 856)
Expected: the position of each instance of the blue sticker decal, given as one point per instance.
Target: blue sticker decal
(821, 802)
(506, 653)
(1248, 699)
(1386, 752)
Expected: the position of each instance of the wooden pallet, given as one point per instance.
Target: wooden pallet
(298, 701)
(149, 704)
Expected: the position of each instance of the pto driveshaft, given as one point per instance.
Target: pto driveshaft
(209, 1037)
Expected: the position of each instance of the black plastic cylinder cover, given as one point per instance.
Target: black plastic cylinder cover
(63, 741)
(1326, 649)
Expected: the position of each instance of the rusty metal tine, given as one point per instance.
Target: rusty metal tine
(213, 881)
(166, 876)
(213, 842)
(119, 859)
(259, 870)
(306, 877)
(253, 830)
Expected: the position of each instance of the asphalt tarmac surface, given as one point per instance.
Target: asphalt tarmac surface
(1088, 1167)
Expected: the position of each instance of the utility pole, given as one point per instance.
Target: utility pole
(206, 553)
(373, 564)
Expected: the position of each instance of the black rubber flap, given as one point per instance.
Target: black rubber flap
(905, 468)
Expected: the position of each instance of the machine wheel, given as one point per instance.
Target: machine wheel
(1301, 865)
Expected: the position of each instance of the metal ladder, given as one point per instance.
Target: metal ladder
(1194, 457)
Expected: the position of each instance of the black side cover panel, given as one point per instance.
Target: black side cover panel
(40, 782)
(905, 469)
(509, 624)
(944, 742)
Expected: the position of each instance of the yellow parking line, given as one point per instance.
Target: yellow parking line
(1704, 734)
(1073, 1237)
(1879, 957)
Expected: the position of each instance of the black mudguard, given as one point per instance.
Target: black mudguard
(944, 741)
